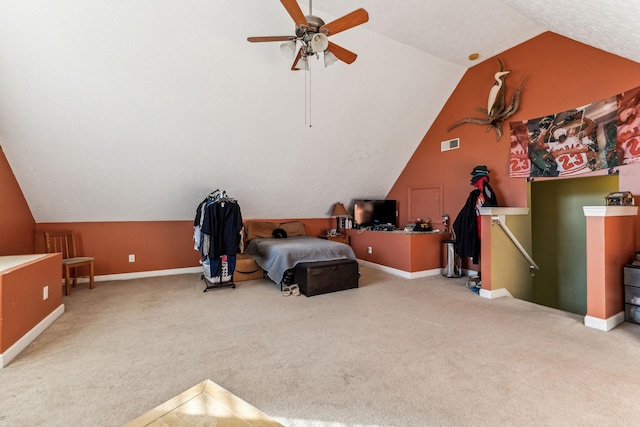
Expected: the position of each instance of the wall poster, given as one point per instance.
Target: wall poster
(600, 135)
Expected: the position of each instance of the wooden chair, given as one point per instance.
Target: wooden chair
(65, 242)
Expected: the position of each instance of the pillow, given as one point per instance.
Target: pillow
(257, 229)
(279, 233)
(295, 228)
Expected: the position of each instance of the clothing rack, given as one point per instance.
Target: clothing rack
(216, 233)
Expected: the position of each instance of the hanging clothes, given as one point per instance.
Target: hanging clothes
(217, 234)
(222, 223)
(201, 240)
(467, 224)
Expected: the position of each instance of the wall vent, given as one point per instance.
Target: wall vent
(451, 144)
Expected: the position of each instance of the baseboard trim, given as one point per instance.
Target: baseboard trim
(190, 270)
(604, 324)
(152, 273)
(425, 273)
(22, 343)
(141, 274)
(495, 293)
(401, 273)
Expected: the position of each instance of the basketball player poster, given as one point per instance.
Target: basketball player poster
(599, 135)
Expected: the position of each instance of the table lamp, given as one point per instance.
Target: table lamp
(338, 211)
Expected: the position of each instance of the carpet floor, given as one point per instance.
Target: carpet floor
(394, 352)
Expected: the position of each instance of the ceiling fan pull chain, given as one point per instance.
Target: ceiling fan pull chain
(309, 65)
(307, 94)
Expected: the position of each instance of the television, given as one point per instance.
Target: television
(368, 213)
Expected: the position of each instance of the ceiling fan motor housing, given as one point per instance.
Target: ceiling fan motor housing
(314, 23)
(314, 26)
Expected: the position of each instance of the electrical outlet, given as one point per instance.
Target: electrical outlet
(45, 293)
(369, 250)
(132, 258)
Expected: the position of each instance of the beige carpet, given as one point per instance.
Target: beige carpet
(394, 352)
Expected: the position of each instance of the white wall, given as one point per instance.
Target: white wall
(136, 110)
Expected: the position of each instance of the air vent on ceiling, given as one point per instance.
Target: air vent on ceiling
(451, 144)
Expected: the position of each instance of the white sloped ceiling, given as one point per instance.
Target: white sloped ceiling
(136, 110)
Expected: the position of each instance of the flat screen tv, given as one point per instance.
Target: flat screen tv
(367, 213)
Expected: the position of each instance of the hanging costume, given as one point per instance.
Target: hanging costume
(467, 224)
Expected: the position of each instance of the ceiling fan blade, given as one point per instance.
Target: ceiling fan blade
(350, 20)
(295, 61)
(270, 39)
(295, 12)
(341, 53)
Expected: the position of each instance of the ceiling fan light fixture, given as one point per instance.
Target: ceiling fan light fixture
(329, 58)
(302, 64)
(319, 42)
(288, 49)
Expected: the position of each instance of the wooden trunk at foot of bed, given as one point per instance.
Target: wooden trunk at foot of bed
(315, 278)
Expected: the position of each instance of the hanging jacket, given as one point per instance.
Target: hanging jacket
(466, 225)
(222, 223)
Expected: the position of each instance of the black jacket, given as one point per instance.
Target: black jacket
(465, 226)
(223, 222)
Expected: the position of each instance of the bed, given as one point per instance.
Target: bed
(277, 255)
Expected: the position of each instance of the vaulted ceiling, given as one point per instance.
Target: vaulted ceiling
(136, 110)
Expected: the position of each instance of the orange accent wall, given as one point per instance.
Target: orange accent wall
(21, 303)
(157, 245)
(609, 248)
(17, 225)
(561, 74)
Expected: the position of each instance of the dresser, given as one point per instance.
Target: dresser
(632, 293)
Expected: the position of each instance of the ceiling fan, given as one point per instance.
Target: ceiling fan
(313, 35)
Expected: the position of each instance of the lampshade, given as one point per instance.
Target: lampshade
(302, 64)
(288, 49)
(339, 210)
(319, 43)
(329, 58)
